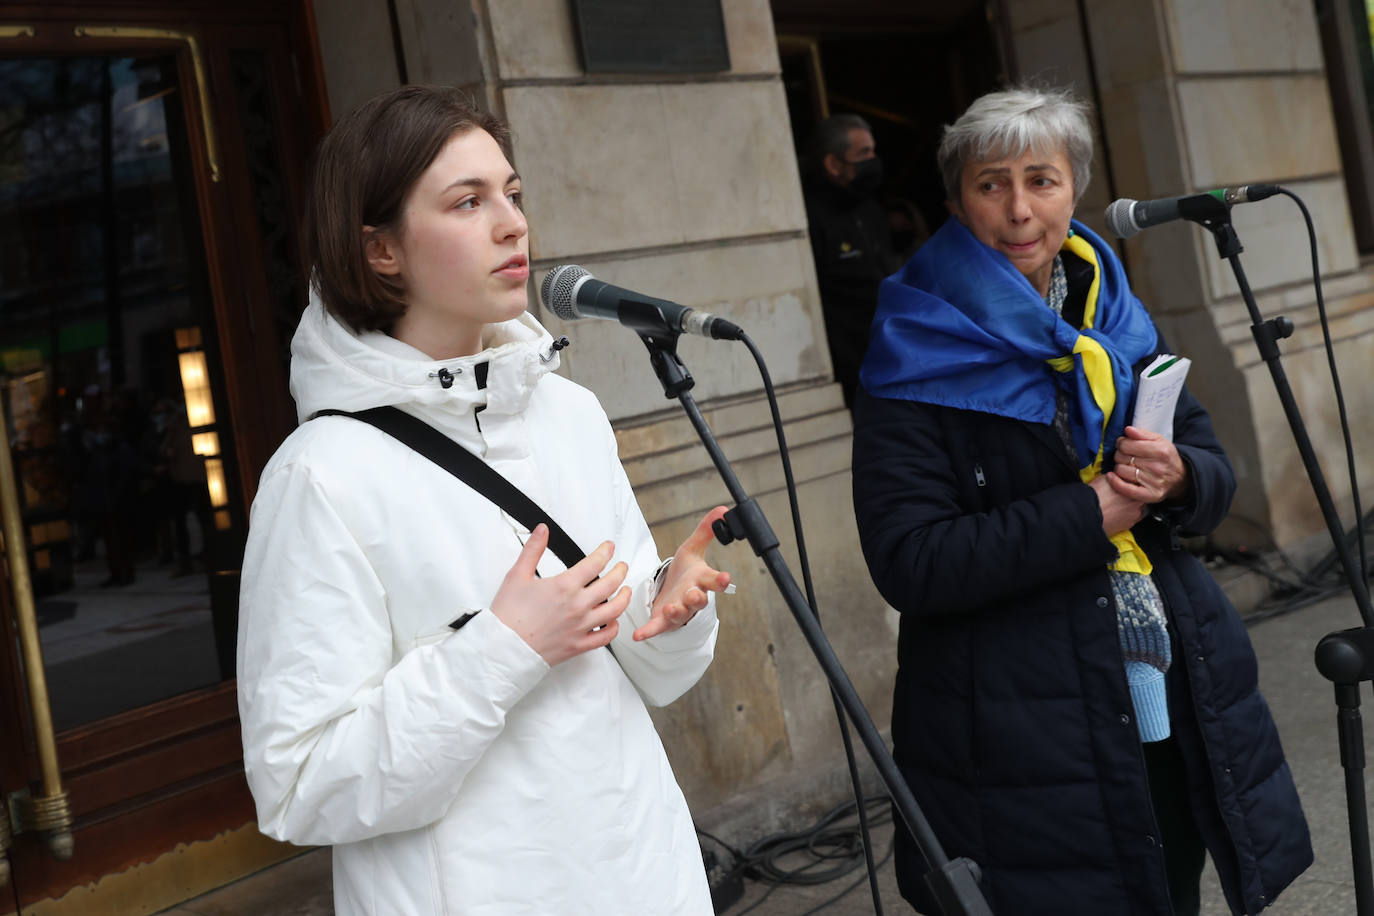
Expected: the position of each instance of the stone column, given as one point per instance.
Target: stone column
(686, 187)
(1195, 96)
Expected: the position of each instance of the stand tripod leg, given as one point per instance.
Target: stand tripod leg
(1351, 731)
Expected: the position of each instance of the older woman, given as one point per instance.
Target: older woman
(1076, 706)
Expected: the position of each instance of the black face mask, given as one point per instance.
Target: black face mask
(868, 176)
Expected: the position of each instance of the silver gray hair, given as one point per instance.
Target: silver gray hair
(1013, 122)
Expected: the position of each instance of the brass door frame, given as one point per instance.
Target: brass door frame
(50, 812)
(163, 36)
(138, 33)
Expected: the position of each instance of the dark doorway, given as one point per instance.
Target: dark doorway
(908, 69)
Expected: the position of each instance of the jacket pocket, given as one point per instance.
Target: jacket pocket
(983, 481)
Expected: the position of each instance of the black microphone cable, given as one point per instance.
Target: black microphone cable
(1335, 380)
(823, 852)
(860, 803)
(1325, 578)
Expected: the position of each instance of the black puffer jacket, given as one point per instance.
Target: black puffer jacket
(1012, 719)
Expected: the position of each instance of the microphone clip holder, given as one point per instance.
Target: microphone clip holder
(1209, 211)
(668, 366)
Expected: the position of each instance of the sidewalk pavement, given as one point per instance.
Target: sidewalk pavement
(1303, 704)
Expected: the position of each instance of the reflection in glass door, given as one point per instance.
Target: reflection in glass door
(109, 369)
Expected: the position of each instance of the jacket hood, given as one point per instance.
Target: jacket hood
(334, 368)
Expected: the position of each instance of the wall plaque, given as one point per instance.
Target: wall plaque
(638, 36)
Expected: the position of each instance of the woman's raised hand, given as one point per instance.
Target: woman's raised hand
(567, 614)
(689, 578)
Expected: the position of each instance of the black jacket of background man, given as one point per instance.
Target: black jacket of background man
(853, 253)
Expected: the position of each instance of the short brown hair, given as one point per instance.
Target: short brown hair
(364, 170)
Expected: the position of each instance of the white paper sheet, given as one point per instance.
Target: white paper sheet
(1157, 394)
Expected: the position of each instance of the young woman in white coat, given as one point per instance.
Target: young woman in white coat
(508, 765)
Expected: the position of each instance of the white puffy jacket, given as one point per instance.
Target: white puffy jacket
(455, 772)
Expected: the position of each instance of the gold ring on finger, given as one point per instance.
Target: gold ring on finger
(1137, 474)
(1133, 461)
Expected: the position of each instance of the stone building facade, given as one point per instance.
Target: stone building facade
(687, 187)
(1194, 97)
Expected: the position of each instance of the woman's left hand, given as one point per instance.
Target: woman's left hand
(1148, 467)
(688, 580)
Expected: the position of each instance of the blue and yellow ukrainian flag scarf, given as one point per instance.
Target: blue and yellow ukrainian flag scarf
(960, 326)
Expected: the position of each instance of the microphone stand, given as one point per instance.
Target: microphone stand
(953, 883)
(1346, 658)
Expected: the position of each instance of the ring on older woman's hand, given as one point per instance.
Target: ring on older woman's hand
(1133, 461)
(1137, 474)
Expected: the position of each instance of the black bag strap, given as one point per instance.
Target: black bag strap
(468, 468)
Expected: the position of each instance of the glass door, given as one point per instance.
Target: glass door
(110, 368)
(148, 186)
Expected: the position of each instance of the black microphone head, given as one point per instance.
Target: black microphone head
(1121, 218)
(556, 292)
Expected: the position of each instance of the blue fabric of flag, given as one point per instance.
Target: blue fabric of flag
(960, 326)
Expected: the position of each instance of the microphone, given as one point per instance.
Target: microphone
(1126, 217)
(570, 292)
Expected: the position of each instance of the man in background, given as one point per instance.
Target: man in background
(849, 237)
